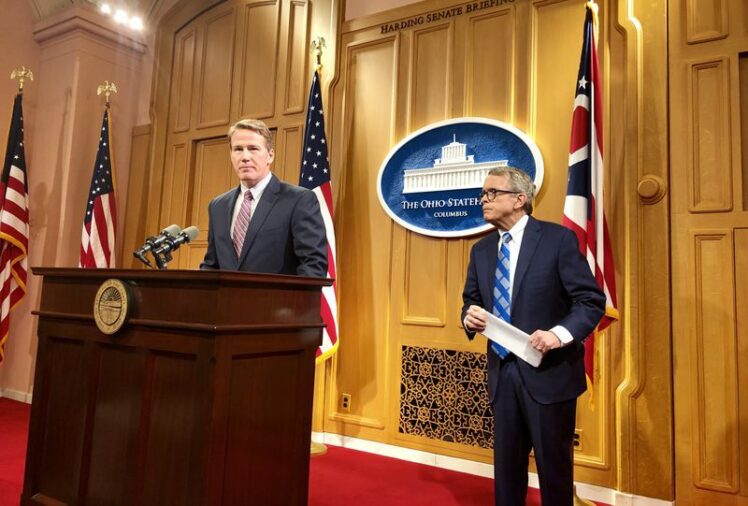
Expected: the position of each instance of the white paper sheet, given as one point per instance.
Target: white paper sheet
(512, 338)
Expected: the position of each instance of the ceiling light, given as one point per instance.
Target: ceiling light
(136, 23)
(106, 8)
(121, 16)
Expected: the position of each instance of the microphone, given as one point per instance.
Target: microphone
(154, 242)
(173, 243)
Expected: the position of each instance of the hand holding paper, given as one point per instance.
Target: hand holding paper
(512, 338)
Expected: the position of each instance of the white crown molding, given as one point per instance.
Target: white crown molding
(83, 18)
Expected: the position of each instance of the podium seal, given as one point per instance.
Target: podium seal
(111, 306)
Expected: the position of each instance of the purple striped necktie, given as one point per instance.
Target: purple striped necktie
(242, 223)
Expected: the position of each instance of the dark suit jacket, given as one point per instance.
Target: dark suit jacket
(286, 234)
(553, 286)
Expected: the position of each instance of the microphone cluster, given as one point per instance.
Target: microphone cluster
(162, 245)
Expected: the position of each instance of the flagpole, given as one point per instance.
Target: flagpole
(318, 45)
(592, 6)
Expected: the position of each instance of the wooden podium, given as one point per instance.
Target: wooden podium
(204, 397)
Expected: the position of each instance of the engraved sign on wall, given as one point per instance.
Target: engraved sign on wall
(429, 183)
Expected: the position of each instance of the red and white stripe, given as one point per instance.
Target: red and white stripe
(329, 306)
(14, 242)
(98, 235)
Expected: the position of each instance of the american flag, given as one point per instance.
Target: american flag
(14, 223)
(584, 212)
(315, 175)
(100, 221)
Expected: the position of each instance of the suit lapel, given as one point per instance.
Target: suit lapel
(487, 269)
(530, 241)
(260, 214)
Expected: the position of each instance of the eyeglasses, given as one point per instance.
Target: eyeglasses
(492, 193)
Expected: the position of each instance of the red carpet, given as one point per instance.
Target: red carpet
(14, 429)
(344, 476)
(340, 477)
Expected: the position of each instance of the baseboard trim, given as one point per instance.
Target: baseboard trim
(585, 490)
(16, 395)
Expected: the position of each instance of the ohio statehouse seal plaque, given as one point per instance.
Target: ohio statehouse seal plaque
(111, 306)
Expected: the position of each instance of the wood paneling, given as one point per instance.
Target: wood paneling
(489, 59)
(364, 264)
(706, 20)
(182, 78)
(552, 94)
(714, 356)
(258, 59)
(425, 266)
(175, 186)
(297, 57)
(709, 241)
(214, 94)
(432, 77)
(741, 326)
(289, 166)
(710, 174)
(213, 176)
(115, 436)
(137, 197)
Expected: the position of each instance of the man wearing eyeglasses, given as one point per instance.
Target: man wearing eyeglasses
(531, 274)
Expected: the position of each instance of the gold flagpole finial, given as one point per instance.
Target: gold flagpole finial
(318, 45)
(107, 89)
(22, 74)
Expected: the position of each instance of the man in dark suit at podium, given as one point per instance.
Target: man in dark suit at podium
(532, 275)
(264, 225)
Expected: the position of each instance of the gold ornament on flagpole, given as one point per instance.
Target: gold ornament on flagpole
(107, 89)
(22, 74)
(318, 46)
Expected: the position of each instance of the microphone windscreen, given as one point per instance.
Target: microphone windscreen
(191, 232)
(172, 230)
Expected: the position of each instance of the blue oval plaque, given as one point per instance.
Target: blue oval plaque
(429, 183)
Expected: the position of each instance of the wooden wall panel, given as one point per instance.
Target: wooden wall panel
(490, 69)
(364, 264)
(714, 355)
(552, 94)
(742, 86)
(137, 197)
(710, 174)
(259, 54)
(741, 302)
(431, 75)
(215, 81)
(706, 20)
(425, 297)
(182, 79)
(297, 73)
(213, 176)
(288, 153)
(175, 187)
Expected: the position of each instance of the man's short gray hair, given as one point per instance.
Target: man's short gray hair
(256, 126)
(519, 181)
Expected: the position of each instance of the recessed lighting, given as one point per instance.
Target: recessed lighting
(136, 23)
(106, 8)
(121, 16)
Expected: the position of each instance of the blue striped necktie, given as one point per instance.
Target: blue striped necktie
(502, 299)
